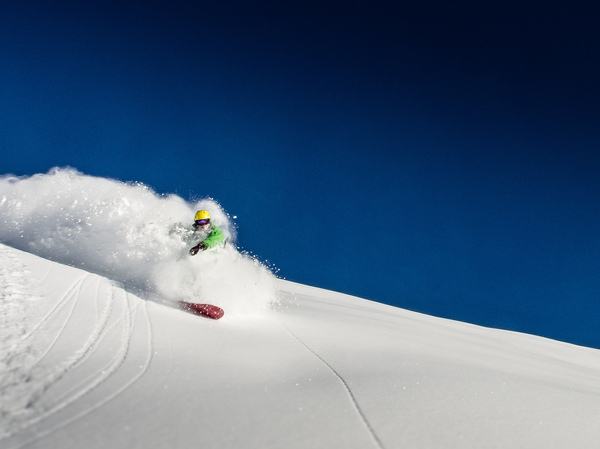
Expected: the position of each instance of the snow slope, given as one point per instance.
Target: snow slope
(87, 363)
(94, 354)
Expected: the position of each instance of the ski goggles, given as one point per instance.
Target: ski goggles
(202, 222)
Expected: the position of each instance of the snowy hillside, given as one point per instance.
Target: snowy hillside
(86, 363)
(95, 355)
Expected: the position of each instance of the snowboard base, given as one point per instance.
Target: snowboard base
(207, 310)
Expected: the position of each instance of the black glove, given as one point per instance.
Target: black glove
(198, 247)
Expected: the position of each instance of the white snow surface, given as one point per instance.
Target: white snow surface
(93, 353)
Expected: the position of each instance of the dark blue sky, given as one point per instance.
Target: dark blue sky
(438, 156)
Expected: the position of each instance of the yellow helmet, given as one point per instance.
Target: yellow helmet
(202, 215)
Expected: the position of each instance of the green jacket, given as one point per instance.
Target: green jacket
(214, 237)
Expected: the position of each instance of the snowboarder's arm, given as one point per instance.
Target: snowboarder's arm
(214, 238)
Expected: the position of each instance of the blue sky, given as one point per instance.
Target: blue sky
(438, 158)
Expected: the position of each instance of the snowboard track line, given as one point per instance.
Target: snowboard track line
(118, 361)
(361, 414)
(126, 321)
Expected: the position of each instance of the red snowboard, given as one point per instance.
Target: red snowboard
(207, 310)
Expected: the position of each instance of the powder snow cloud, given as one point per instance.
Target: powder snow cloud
(131, 234)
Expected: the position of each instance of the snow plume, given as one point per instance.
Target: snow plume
(132, 235)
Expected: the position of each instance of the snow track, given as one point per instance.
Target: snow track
(70, 351)
(59, 305)
(351, 396)
(96, 380)
(69, 299)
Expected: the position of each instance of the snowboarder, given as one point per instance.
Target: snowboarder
(213, 236)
